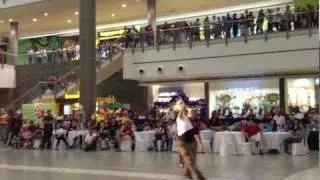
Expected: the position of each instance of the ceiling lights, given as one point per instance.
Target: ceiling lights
(34, 19)
(113, 14)
(124, 5)
(10, 20)
(69, 21)
(45, 14)
(76, 13)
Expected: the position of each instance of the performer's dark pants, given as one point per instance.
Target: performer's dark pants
(188, 153)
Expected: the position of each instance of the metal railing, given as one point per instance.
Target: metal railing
(226, 30)
(57, 86)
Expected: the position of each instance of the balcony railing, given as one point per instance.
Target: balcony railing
(225, 31)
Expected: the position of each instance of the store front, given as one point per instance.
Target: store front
(241, 95)
(162, 93)
(301, 93)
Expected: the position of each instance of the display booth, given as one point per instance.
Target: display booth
(240, 95)
(301, 93)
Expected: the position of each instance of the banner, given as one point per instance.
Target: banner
(27, 46)
(32, 112)
(304, 3)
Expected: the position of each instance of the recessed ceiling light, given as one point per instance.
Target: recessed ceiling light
(76, 13)
(34, 19)
(45, 14)
(1, 21)
(10, 20)
(69, 21)
(123, 5)
(113, 14)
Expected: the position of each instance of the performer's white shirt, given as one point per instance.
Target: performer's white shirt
(183, 124)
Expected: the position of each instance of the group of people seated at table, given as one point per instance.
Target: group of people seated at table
(110, 132)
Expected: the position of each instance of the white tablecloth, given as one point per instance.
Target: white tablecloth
(273, 140)
(270, 140)
(149, 135)
(71, 136)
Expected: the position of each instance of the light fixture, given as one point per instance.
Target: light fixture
(113, 14)
(123, 5)
(10, 20)
(76, 13)
(45, 14)
(1, 21)
(34, 19)
(69, 21)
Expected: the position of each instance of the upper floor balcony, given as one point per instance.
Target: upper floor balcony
(224, 51)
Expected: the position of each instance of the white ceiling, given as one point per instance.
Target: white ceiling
(60, 11)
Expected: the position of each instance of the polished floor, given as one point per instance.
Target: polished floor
(78, 165)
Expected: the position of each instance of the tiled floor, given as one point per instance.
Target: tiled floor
(78, 165)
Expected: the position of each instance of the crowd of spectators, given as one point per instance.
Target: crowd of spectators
(119, 125)
(226, 26)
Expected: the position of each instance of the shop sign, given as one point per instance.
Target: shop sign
(73, 94)
(249, 89)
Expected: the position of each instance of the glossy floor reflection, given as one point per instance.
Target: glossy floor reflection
(78, 165)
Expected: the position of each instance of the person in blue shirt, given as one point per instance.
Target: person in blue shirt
(271, 126)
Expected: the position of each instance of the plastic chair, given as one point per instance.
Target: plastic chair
(206, 138)
(243, 147)
(174, 145)
(227, 147)
(126, 144)
(141, 141)
(301, 148)
(36, 143)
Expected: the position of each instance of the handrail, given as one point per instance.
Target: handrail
(61, 78)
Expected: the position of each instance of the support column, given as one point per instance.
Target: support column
(14, 42)
(207, 96)
(282, 93)
(87, 20)
(152, 14)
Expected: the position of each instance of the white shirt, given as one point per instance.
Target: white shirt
(183, 125)
(279, 119)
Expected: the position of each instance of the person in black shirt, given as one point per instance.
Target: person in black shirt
(48, 121)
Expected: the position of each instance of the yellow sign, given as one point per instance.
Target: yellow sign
(72, 95)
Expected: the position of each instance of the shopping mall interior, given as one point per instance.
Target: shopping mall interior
(159, 89)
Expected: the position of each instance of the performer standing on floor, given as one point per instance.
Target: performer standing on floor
(188, 141)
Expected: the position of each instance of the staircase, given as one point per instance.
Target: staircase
(109, 66)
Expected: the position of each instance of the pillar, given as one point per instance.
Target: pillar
(152, 14)
(207, 97)
(282, 93)
(87, 21)
(14, 42)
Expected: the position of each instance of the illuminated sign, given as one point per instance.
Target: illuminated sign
(75, 94)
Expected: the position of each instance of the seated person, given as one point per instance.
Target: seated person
(125, 133)
(60, 135)
(253, 132)
(90, 141)
(296, 137)
(103, 132)
(271, 126)
(161, 135)
(34, 132)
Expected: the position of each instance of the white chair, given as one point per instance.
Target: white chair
(243, 147)
(36, 143)
(301, 148)
(141, 140)
(126, 144)
(227, 147)
(174, 145)
(206, 138)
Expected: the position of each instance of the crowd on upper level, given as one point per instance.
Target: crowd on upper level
(226, 26)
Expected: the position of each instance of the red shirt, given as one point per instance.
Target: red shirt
(252, 130)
